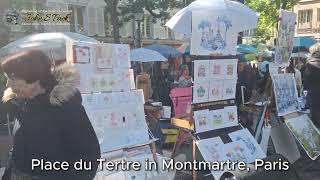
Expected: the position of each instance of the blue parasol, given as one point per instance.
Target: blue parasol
(165, 50)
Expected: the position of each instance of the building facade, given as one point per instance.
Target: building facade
(88, 17)
(308, 18)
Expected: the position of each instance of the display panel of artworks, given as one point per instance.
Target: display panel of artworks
(201, 70)
(230, 68)
(217, 69)
(216, 90)
(286, 32)
(306, 133)
(209, 149)
(286, 95)
(112, 116)
(229, 89)
(201, 92)
(106, 82)
(213, 33)
(254, 148)
(202, 120)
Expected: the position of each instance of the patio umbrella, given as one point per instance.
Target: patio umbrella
(165, 50)
(53, 44)
(303, 41)
(146, 55)
(246, 49)
(181, 21)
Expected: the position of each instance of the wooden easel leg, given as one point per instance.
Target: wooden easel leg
(154, 153)
(176, 145)
(194, 172)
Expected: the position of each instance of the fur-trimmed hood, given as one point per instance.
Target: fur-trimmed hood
(65, 90)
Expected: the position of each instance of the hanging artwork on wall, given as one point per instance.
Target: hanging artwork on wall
(230, 68)
(286, 95)
(217, 69)
(286, 32)
(229, 89)
(215, 90)
(201, 70)
(254, 149)
(307, 134)
(213, 34)
(202, 120)
(200, 92)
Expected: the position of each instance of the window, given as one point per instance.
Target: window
(305, 16)
(76, 19)
(318, 14)
(96, 21)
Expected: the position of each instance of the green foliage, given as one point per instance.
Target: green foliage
(268, 16)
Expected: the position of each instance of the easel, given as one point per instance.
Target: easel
(187, 125)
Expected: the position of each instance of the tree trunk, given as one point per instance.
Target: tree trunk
(284, 4)
(113, 11)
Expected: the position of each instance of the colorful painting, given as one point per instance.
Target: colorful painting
(81, 54)
(201, 70)
(121, 55)
(236, 151)
(231, 115)
(217, 69)
(229, 89)
(307, 134)
(202, 120)
(230, 68)
(104, 56)
(286, 32)
(209, 149)
(216, 90)
(254, 149)
(286, 95)
(200, 92)
(218, 118)
(213, 34)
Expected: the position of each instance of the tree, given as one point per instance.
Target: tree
(268, 15)
(121, 11)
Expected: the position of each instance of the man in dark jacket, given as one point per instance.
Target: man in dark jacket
(54, 126)
(311, 83)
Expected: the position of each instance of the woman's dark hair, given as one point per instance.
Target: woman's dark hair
(31, 66)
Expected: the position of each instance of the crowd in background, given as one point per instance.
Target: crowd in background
(254, 78)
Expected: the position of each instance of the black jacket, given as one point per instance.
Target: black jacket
(311, 82)
(55, 127)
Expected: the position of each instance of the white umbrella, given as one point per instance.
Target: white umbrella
(53, 44)
(181, 21)
(146, 55)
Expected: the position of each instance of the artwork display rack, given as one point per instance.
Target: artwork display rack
(186, 124)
